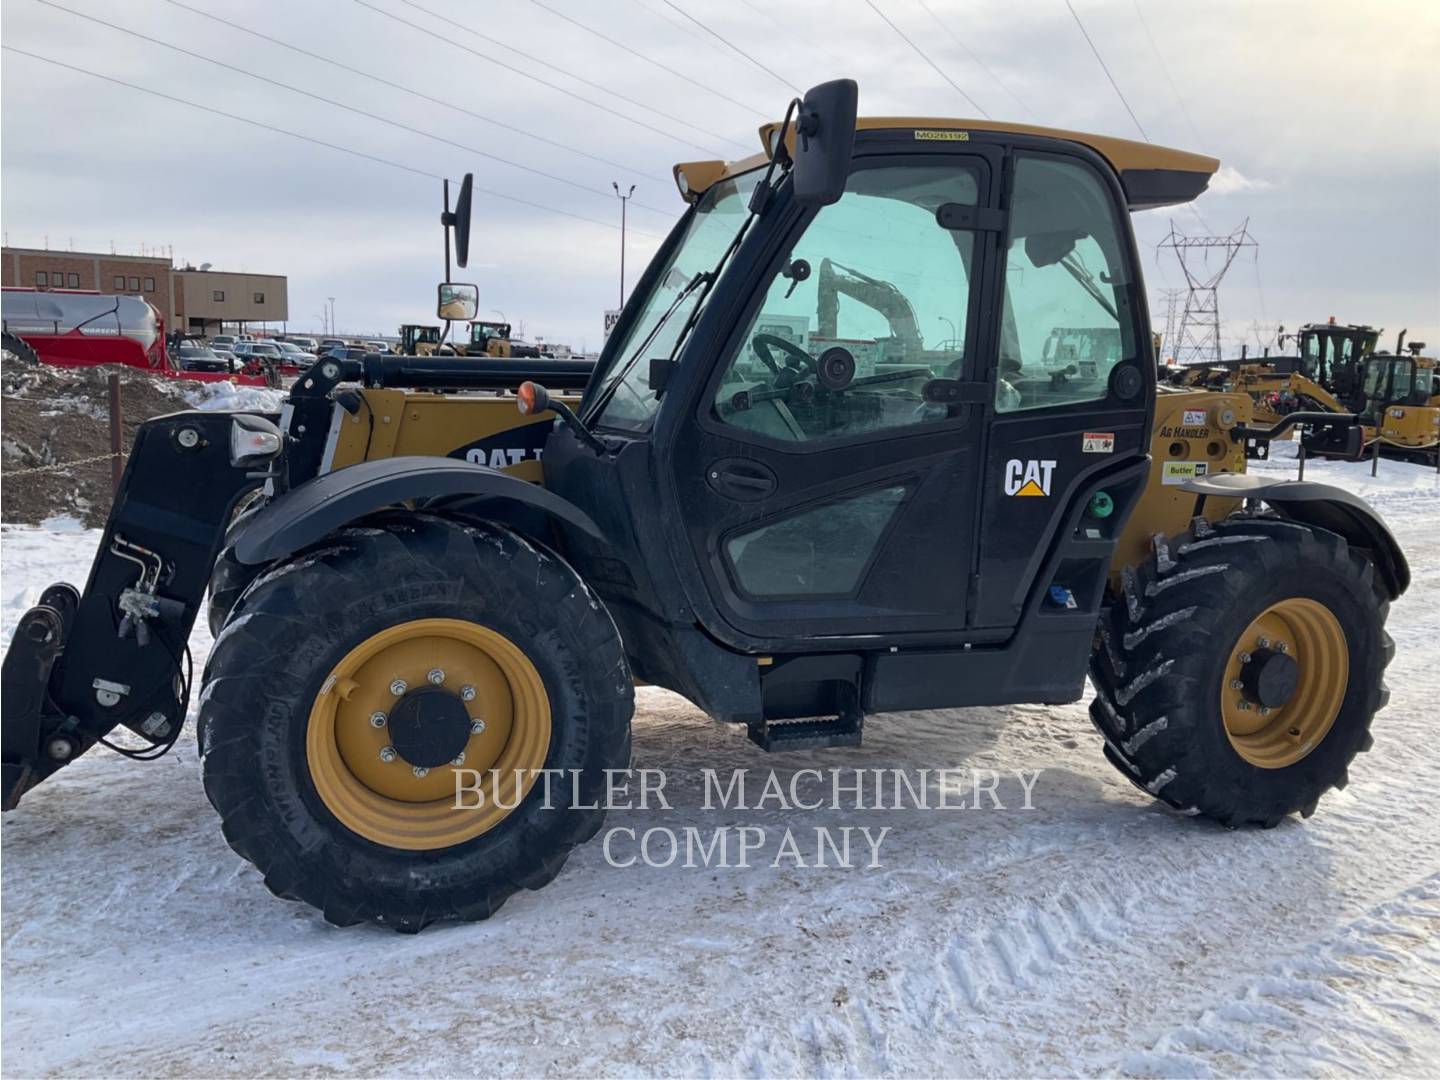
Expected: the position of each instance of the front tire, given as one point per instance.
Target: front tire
(480, 625)
(1238, 675)
(19, 348)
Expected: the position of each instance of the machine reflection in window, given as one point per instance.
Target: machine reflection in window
(822, 551)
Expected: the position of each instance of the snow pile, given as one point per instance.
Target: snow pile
(234, 397)
(1095, 934)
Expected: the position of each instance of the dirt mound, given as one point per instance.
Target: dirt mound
(55, 436)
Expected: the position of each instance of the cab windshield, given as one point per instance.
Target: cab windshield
(665, 310)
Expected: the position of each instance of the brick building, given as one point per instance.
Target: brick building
(195, 301)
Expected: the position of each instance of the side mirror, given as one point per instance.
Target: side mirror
(459, 221)
(457, 303)
(824, 141)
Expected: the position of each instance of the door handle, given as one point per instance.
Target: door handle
(741, 479)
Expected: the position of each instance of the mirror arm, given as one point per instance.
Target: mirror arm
(760, 197)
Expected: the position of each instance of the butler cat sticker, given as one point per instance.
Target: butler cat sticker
(1177, 472)
(1028, 477)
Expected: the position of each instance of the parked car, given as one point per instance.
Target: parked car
(255, 353)
(347, 352)
(293, 353)
(201, 358)
(226, 354)
(223, 341)
(332, 342)
(309, 344)
(378, 346)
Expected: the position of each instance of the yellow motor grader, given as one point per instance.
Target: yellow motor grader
(433, 606)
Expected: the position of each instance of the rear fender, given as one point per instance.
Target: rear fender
(1323, 507)
(307, 513)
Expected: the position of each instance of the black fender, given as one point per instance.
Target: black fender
(1320, 506)
(315, 509)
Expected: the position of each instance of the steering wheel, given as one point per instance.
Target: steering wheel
(763, 343)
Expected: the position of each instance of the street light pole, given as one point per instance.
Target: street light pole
(624, 199)
(953, 332)
(331, 299)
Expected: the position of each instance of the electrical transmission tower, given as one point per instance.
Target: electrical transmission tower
(1203, 260)
(1170, 298)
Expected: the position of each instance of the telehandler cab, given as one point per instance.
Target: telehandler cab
(795, 514)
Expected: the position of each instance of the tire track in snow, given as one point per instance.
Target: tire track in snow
(1335, 1008)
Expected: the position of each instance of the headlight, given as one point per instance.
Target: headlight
(253, 439)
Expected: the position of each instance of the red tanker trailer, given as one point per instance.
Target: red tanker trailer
(84, 329)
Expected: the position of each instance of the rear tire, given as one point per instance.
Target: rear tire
(1169, 679)
(272, 777)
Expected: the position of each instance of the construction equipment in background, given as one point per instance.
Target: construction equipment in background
(1398, 404)
(1332, 354)
(417, 339)
(493, 339)
(412, 632)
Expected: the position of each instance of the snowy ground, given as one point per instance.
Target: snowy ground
(1096, 933)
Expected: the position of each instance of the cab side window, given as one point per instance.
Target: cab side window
(1066, 321)
(870, 304)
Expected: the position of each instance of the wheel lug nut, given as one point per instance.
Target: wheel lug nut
(398, 687)
(1244, 706)
(420, 772)
(467, 693)
(436, 676)
(387, 754)
(1236, 684)
(377, 719)
(1264, 710)
(458, 759)
(1282, 647)
(1263, 642)
(1244, 658)
(477, 726)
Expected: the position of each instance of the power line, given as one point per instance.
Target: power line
(339, 104)
(689, 31)
(733, 48)
(415, 93)
(305, 138)
(1105, 68)
(649, 60)
(919, 52)
(551, 67)
(805, 35)
(1178, 99)
(974, 57)
(1165, 67)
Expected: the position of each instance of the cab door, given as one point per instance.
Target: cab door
(825, 484)
(1074, 392)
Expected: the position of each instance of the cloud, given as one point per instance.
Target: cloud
(1228, 180)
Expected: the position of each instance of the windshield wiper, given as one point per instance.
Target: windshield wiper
(608, 391)
(1087, 282)
(759, 202)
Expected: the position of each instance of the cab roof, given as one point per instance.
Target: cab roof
(1151, 175)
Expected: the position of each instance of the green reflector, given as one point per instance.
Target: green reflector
(1101, 504)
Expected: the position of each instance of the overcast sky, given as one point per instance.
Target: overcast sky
(1326, 116)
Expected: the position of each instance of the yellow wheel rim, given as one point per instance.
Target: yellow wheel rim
(386, 801)
(1309, 642)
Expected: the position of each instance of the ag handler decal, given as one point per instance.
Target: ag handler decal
(1028, 477)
